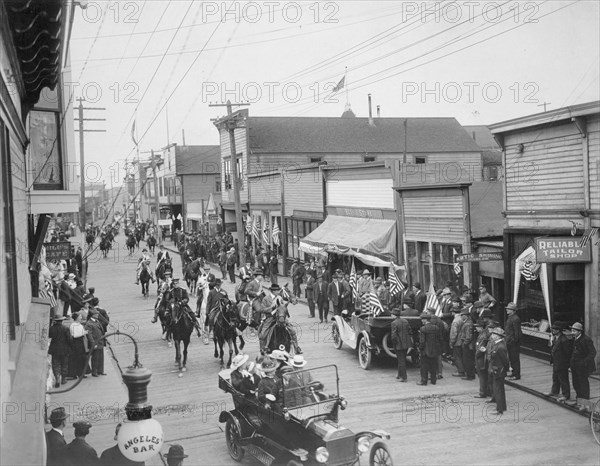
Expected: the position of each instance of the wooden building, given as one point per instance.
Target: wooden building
(551, 201)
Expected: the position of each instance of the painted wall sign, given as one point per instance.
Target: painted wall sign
(562, 249)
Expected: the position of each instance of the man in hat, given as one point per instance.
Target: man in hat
(364, 288)
(270, 387)
(242, 378)
(231, 260)
(175, 456)
(562, 349)
(103, 317)
(79, 452)
(245, 272)
(143, 261)
(298, 274)
(481, 366)
(582, 361)
(268, 308)
(476, 311)
(420, 297)
(400, 332)
(55, 438)
(429, 346)
(59, 349)
(273, 267)
(240, 289)
(162, 255)
(456, 342)
(212, 304)
(443, 336)
(311, 283)
(180, 296)
(336, 293)
(468, 345)
(113, 457)
(298, 384)
(498, 367)
(96, 331)
(486, 299)
(512, 329)
(320, 290)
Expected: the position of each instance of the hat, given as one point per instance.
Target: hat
(464, 312)
(425, 315)
(498, 331)
(81, 424)
(71, 275)
(279, 355)
(174, 280)
(417, 285)
(577, 326)
(218, 281)
(175, 452)
(207, 267)
(493, 324)
(298, 361)
(274, 287)
(58, 414)
(431, 310)
(94, 312)
(379, 280)
(366, 272)
(511, 307)
(478, 304)
(144, 250)
(258, 272)
(269, 365)
(396, 311)
(239, 361)
(486, 313)
(58, 318)
(446, 291)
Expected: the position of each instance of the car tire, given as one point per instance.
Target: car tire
(232, 438)
(388, 346)
(380, 455)
(336, 336)
(365, 355)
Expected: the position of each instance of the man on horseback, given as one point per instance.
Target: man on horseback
(268, 308)
(144, 262)
(180, 296)
(212, 304)
(161, 302)
(162, 255)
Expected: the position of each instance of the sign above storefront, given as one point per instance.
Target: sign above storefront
(479, 257)
(361, 213)
(562, 249)
(57, 251)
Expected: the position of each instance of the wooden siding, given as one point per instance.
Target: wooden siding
(548, 174)
(593, 126)
(303, 190)
(374, 193)
(265, 189)
(358, 173)
(442, 169)
(197, 189)
(240, 146)
(435, 218)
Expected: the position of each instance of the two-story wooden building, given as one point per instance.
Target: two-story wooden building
(38, 179)
(552, 207)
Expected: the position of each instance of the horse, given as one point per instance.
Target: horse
(130, 243)
(181, 330)
(278, 334)
(191, 274)
(151, 242)
(138, 237)
(162, 269)
(225, 329)
(104, 247)
(89, 239)
(145, 279)
(164, 316)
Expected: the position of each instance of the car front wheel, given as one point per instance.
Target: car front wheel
(364, 354)
(380, 455)
(232, 437)
(336, 336)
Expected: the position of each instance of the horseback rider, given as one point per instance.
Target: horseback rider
(160, 300)
(212, 304)
(162, 255)
(203, 287)
(268, 308)
(240, 289)
(144, 261)
(178, 295)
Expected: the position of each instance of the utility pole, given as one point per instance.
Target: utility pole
(231, 122)
(156, 200)
(81, 131)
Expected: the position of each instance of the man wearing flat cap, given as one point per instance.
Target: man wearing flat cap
(582, 361)
(468, 345)
(59, 349)
(79, 452)
(512, 329)
(498, 367)
(55, 438)
(430, 349)
(562, 348)
(175, 456)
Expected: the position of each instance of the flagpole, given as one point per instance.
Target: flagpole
(346, 83)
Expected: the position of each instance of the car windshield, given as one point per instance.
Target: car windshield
(311, 392)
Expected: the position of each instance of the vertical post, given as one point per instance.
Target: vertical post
(156, 200)
(81, 168)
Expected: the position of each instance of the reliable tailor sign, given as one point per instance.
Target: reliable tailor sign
(562, 249)
(478, 257)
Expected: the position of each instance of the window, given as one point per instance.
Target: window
(424, 256)
(46, 163)
(316, 159)
(420, 159)
(443, 265)
(296, 230)
(160, 186)
(369, 158)
(217, 184)
(227, 173)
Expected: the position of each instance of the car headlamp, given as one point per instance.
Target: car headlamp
(362, 444)
(343, 403)
(322, 455)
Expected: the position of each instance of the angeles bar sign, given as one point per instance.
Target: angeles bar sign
(478, 257)
(562, 249)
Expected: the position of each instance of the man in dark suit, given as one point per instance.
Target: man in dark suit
(60, 345)
(79, 452)
(512, 329)
(311, 284)
(429, 346)
(55, 438)
(420, 297)
(320, 292)
(498, 367)
(401, 338)
(113, 457)
(336, 293)
(96, 331)
(582, 361)
(562, 348)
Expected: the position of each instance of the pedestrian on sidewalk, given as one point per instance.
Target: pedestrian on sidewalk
(59, 349)
(481, 366)
(113, 457)
(512, 329)
(175, 456)
(582, 361)
(55, 438)
(95, 329)
(562, 348)
(320, 294)
(456, 342)
(81, 342)
(498, 368)
(311, 284)
(298, 273)
(401, 338)
(468, 345)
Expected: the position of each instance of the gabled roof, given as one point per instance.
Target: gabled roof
(197, 160)
(356, 135)
(482, 136)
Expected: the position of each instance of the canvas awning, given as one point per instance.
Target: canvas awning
(373, 241)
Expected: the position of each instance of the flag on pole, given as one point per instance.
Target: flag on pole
(276, 232)
(396, 286)
(456, 264)
(48, 292)
(376, 306)
(432, 301)
(249, 224)
(340, 85)
(527, 264)
(133, 133)
(585, 239)
(255, 228)
(573, 229)
(353, 281)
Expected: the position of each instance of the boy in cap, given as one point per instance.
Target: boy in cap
(582, 361)
(175, 456)
(562, 348)
(79, 452)
(498, 367)
(55, 438)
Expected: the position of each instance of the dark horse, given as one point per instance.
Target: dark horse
(89, 239)
(151, 242)
(164, 314)
(162, 269)
(181, 330)
(138, 237)
(104, 246)
(145, 280)
(191, 274)
(225, 329)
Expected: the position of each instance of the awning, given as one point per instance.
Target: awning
(194, 216)
(165, 222)
(373, 241)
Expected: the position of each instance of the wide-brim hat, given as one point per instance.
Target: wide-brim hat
(275, 287)
(511, 307)
(366, 272)
(144, 250)
(298, 361)
(577, 326)
(58, 414)
(71, 275)
(425, 315)
(239, 361)
(269, 365)
(175, 452)
(446, 291)
(396, 311)
(431, 310)
(174, 280)
(206, 267)
(279, 355)
(258, 272)
(498, 331)
(478, 304)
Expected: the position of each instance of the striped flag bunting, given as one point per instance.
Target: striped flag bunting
(276, 232)
(456, 264)
(249, 224)
(376, 306)
(48, 292)
(585, 239)
(573, 229)
(396, 286)
(353, 281)
(265, 235)
(432, 301)
(255, 228)
(528, 264)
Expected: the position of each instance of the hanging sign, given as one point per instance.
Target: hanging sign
(562, 249)
(57, 251)
(478, 257)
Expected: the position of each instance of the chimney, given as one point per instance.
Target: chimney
(183, 137)
(370, 112)
(378, 111)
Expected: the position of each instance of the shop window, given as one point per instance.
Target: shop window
(217, 184)
(568, 292)
(443, 265)
(227, 172)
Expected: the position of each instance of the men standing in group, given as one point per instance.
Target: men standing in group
(59, 349)
(336, 293)
(55, 438)
(320, 292)
(512, 330)
(420, 297)
(401, 339)
(429, 347)
(562, 348)
(582, 361)
(311, 284)
(498, 367)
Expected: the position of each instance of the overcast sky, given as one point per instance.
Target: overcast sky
(480, 62)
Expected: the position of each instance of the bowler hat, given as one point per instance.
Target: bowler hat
(258, 272)
(175, 452)
(431, 310)
(511, 307)
(274, 287)
(298, 361)
(58, 414)
(577, 326)
(425, 315)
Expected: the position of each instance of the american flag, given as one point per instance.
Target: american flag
(585, 239)
(456, 264)
(265, 234)
(432, 301)
(353, 281)
(276, 232)
(396, 286)
(255, 228)
(573, 229)
(376, 306)
(249, 224)
(528, 264)
(48, 292)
